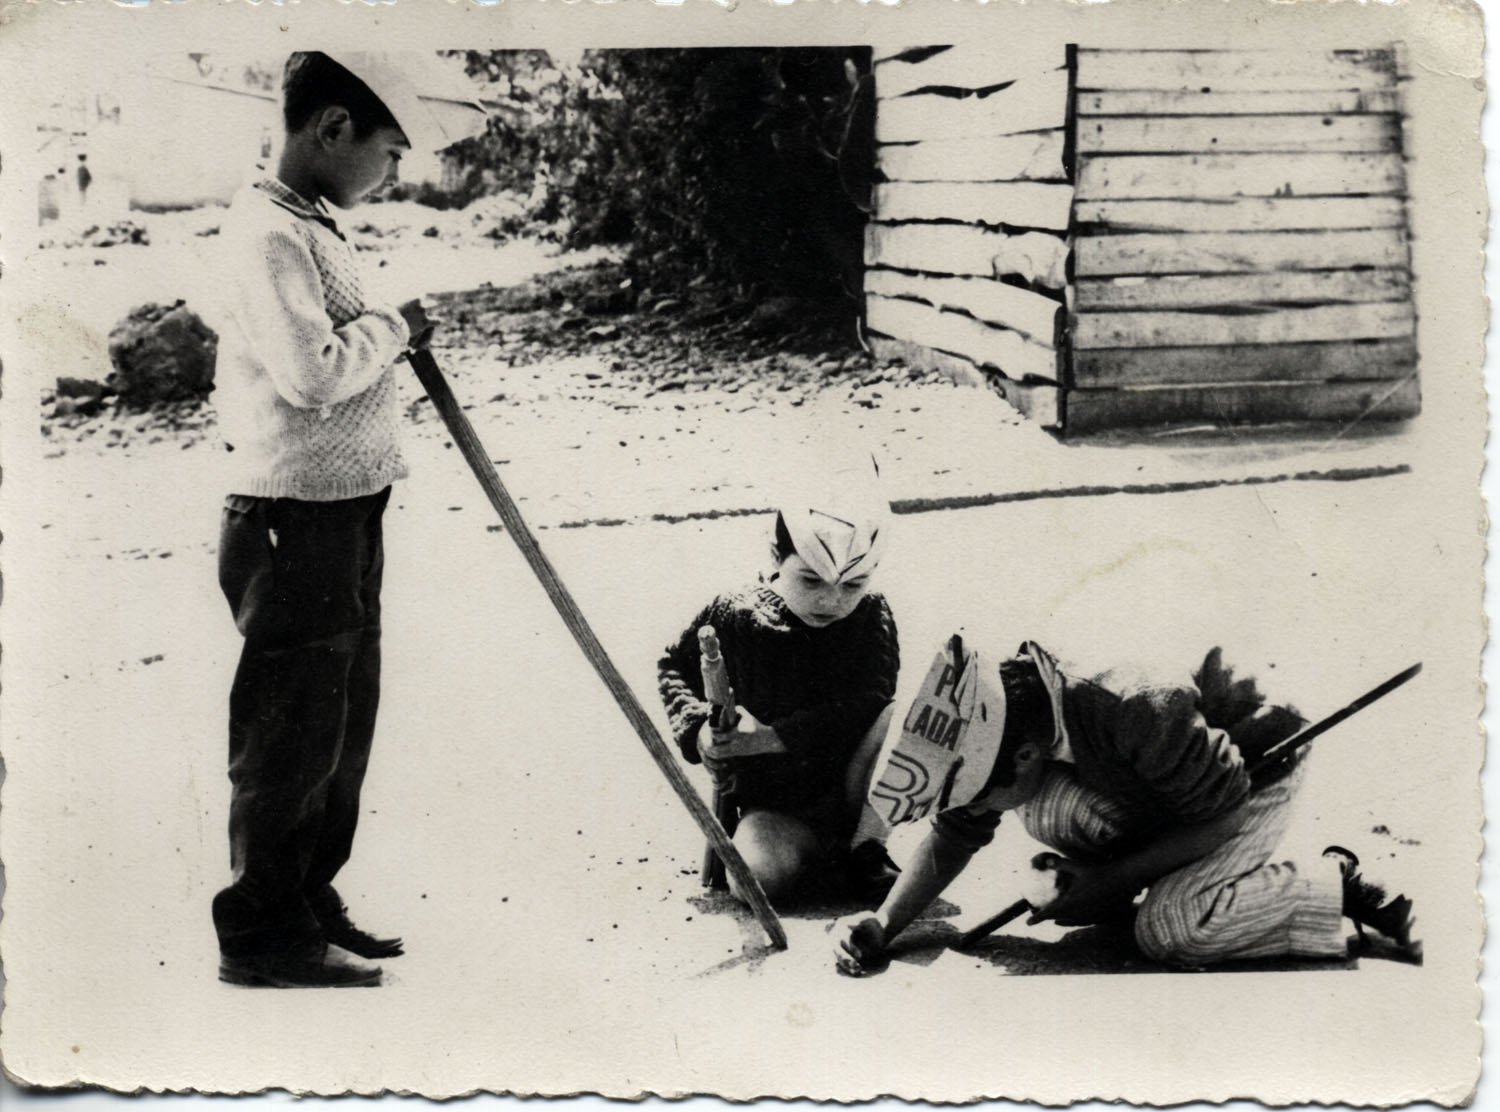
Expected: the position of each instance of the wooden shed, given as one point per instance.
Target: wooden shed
(1147, 237)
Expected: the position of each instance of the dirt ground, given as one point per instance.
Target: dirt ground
(517, 835)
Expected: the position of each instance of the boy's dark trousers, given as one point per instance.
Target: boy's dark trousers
(303, 583)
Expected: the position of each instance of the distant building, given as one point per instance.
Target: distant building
(189, 132)
(150, 142)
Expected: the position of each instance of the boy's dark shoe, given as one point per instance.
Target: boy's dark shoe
(1367, 905)
(341, 931)
(313, 965)
(870, 873)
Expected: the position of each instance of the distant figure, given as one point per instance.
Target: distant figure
(84, 178)
(811, 657)
(49, 204)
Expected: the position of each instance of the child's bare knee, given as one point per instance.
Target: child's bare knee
(776, 880)
(776, 848)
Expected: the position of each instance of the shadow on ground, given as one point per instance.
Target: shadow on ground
(1105, 949)
(825, 910)
(1098, 949)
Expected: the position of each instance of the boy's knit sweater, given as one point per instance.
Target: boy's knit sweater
(819, 689)
(304, 383)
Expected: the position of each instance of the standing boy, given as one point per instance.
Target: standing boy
(812, 659)
(1145, 787)
(307, 403)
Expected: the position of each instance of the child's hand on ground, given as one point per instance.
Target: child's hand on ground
(747, 738)
(417, 322)
(858, 944)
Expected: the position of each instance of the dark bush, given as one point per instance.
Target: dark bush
(749, 165)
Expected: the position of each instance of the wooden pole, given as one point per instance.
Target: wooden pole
(462, 431)
(1284, 749)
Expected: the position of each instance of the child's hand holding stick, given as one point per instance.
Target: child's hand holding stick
(725, 716)
(418, 323)
(732, 733)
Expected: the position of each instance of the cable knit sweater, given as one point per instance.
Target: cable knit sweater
(819, 689)
(305, 389)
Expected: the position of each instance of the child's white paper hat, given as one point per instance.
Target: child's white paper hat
(836, 516)
(947, 746)
(432, 108)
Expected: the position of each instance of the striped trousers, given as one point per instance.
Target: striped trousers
(1234, 903)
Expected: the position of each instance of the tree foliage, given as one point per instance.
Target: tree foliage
(750, 165)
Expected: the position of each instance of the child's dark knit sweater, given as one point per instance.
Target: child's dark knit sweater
(819, 689)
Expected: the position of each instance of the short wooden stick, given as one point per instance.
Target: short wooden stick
(992, 924)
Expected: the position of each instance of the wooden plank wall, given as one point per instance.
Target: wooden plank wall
(966, 254)
(1239, 239)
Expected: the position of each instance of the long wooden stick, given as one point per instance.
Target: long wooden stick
(1283, 749)
(462, 431)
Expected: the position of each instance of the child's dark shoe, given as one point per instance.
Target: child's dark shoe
(314, 965)
(870, 873)
(339, 929)
(366, 945)
(1367, 905)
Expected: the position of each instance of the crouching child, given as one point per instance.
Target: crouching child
(1139, 788)
(811, 656)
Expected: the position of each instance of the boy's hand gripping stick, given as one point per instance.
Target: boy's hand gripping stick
(1044, 885)
(716, 686)
(459, 427)
(719, 693)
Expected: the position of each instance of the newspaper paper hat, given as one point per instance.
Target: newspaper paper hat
(433, 108)
(950, 739)
(836, 519)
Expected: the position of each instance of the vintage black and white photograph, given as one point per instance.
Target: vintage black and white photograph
(771, 551)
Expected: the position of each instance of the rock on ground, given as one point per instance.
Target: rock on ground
(162, 353)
